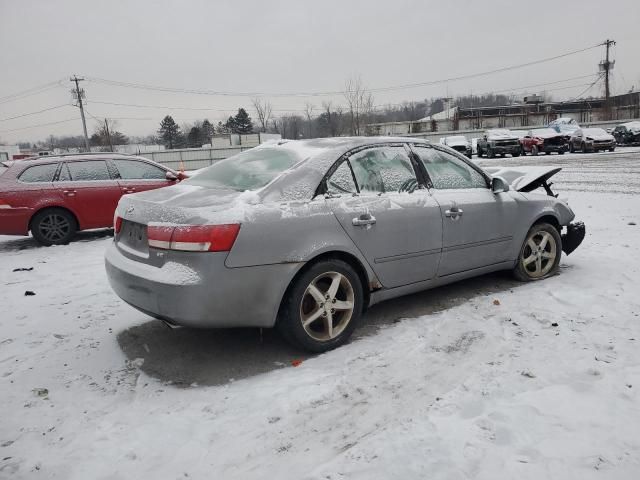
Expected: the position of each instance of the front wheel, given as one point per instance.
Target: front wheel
(612, 149)
(322, 307)
(53, 226)
(540, 254)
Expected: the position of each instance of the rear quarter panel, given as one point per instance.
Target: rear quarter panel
(289, 233)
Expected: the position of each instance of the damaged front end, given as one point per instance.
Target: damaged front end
(573, 238)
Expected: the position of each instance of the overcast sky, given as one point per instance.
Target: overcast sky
(292, 46)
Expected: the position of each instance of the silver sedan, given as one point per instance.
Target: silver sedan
(305, 235)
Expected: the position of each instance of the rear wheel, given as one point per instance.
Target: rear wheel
(53, 226)
(322, 307)
(540, 254)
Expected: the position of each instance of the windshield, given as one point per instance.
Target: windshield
(593, 131)
(248, 170)
(544, 131)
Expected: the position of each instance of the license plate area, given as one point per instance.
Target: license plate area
(134, 236)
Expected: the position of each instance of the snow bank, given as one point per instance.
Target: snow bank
(508, 380)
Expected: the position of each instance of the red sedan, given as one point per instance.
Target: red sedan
(54, 197)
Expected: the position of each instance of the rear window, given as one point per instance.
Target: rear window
(39, 173)
(248, 170)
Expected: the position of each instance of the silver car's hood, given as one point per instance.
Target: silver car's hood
(523, 179)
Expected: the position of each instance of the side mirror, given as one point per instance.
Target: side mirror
(499, 185)
(171, 176)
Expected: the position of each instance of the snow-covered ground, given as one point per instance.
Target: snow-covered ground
(503, 380)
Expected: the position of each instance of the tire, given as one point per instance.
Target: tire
(571, 148)
(534, 264)
(535, 150)
(53, 226)
(612, 149)
(490, 153)
(309, 298)
(515, 154)
(478, 152)
(583, 147)
(560, 152)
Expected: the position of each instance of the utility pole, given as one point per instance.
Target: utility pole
(78, 94)
(607, 66)
(106, 127)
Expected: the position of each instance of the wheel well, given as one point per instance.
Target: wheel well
(73, 215)
(550, 219)
(345, 257)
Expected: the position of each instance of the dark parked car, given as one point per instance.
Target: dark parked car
(627, 133)
(545, 140)
(499, 142)
(53, 197)
(591, 140)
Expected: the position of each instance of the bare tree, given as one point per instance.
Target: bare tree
(308, 110)
(263, 109)
(359, 102)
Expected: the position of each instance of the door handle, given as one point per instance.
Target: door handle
(454, 213)
(69, 193)
(364, 219)
(129, 190)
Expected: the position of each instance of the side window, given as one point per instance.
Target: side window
(39, 173)
(136, 170)
(448, 172)
(88, 170)
(341, 181)
(384, 169)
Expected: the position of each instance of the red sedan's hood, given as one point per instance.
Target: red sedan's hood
(523, 179)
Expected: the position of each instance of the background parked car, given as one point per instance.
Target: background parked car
(627, 133)
(545, 140)
(53, 197)
(458, 143)
(499, 142)
(591, 140)
(564, 125)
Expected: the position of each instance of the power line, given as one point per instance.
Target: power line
(330, 93)
(182, 108)
(34, 113)
(41, 125)
(29, 92)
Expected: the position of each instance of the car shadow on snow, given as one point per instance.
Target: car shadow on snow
(14, 244)
(187, 357)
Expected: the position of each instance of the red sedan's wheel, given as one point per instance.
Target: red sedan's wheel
(53, 226)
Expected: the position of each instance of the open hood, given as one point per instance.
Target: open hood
(524, 179)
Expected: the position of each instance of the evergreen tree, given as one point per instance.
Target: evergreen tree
(230, 125)
(222, 128)
(170, 133)
(195, 138)
(242, 122)
(207, 131)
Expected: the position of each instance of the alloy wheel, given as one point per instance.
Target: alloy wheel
(539, 254)
(54, 227)
(327, 306)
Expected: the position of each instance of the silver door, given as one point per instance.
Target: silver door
(476, 222)
(395, 225)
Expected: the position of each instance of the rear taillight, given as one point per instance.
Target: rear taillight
(193, 238)
(117, 223)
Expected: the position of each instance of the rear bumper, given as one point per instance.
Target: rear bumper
(198, 290)
(573, 238)
(15, 220)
